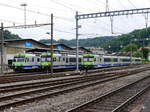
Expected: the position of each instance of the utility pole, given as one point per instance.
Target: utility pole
(24, 5)
(77, 43)
(131, 50)
(107, 6)
(51, 44)
(2, 49)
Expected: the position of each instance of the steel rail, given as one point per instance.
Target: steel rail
(103, 97)
(26, 99)
(50, 83)
(130, 100)
(47, 83)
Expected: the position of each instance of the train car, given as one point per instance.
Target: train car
(25, 62)
(108, 61)
(97, 61)
(124, 60)
(89, 60)
(60, 61)
(136, 60)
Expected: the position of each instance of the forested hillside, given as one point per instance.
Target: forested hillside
(94, 42)
(134, 37)
(110, 43)
(9, 35)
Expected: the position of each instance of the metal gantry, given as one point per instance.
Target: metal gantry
(103, 14)
(113, 13)
(2, 48)
(20, 27)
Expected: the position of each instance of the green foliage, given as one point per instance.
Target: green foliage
(125, 39)
(137, 54)
(46, 41)
(146, 62)
(94, 42)
(130, 48)
(145, 53)
(111, 43)
(9, 35)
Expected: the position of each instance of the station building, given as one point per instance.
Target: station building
(11, 47)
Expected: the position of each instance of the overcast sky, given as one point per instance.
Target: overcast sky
(64, 17)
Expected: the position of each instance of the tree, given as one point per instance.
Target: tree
(138, 54)
(130, 47)
(145, 53)
(9, 35)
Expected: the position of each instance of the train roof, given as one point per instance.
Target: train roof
(110, 56)
(24, 54)
(89, 55)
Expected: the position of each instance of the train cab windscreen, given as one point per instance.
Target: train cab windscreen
(19, 59)
(88, 58)
(45, 58)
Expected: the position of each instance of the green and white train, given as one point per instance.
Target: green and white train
(97, 61)
(24, 61)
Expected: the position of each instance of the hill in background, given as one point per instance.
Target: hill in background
(89, 42)
(110, 43)
(9, 35)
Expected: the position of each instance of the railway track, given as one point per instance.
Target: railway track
(28, 85)
(62, 72)
(116, 100)
(23, 97)
(36, 76)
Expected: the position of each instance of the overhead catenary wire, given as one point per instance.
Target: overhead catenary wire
(32, 11)
(122, 4)
(99, 1)
(73, 5)
(62, 18)
(39, 6)
(95, 3)
(9, 21)
(145, 16)
(61, 4)
(132, 4)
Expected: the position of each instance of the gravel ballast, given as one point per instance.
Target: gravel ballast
(66, 101)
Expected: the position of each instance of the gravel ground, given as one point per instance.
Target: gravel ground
(66, 101)
(142, 104)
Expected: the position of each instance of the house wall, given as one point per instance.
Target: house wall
(14, 47)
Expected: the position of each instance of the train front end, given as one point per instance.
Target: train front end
(88, 61)
(18, 62)
(45, 63)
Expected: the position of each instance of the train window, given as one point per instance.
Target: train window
(59, 59)
(32, 59)
(20, 60)
(27, 60)
(79, 59)
(100, 60)
(66, 60)
(38, 59)
(54, 59)
(107, 59)
(137, 60)
(42, 59)
(85, 59)
(63, 59)
(115, 60)
(126, 60)
(91, 59)
(48, 59)
(72, 59)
